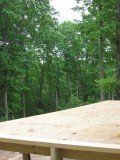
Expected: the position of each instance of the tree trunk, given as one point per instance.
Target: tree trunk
(69, 88)
(112, 96)
(5, 70)
(23, 104)
(109, 96)
(57, 100)
(118, 50)
(85, 94)
(5, 94)
(78, 85)
(77, 90)
(50, 94)
(84, 84)
(41, 79)
(57, 91)
(102, 94)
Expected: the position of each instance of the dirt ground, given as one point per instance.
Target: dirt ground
(17, 156)
(4, 155)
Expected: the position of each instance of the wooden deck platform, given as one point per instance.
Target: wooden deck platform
(90, 132)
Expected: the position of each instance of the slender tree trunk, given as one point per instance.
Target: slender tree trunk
(112, 96)
(109, 96)
(5, 94)
(57, 100)
(50, 93)
(77, 90)
(85, 94)
(57, 91)
(23, 104)
(42, 79)
(84, 84)
(118, 50)
(102, 92)
(69, 89)
(77, 78)
(5, 71)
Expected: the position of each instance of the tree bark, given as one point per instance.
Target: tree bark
(118, 50)
(69, 88)
(41, 79)
(77, 90)
(102, 92)
(57, 100)
(5, 94)
(23, 104)
(112, 96)
(50, 94)
(85, 94)
(5, 69)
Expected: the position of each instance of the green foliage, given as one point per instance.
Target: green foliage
(46, 66)
(74, 102)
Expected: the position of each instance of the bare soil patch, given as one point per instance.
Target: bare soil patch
(4, 155)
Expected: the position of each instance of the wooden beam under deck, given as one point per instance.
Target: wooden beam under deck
(57, 153)
(26, 157)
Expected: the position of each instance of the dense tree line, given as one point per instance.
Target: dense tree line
(47, 66)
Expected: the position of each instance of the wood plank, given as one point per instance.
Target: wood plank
(25, 148)
(55, 154)
(66, 153)
(85, 155)
(91, 123)
(74, 130)
(26, 157)
(75, 145)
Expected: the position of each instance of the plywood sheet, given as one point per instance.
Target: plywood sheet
(99, 123)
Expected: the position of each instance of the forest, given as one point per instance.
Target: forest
(47, 66)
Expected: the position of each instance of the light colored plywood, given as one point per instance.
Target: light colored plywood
(99, 122)
(94, 127)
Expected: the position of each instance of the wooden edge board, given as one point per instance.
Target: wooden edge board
(88, 155)
(27, 149)
(56, 152)
(63, 144)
